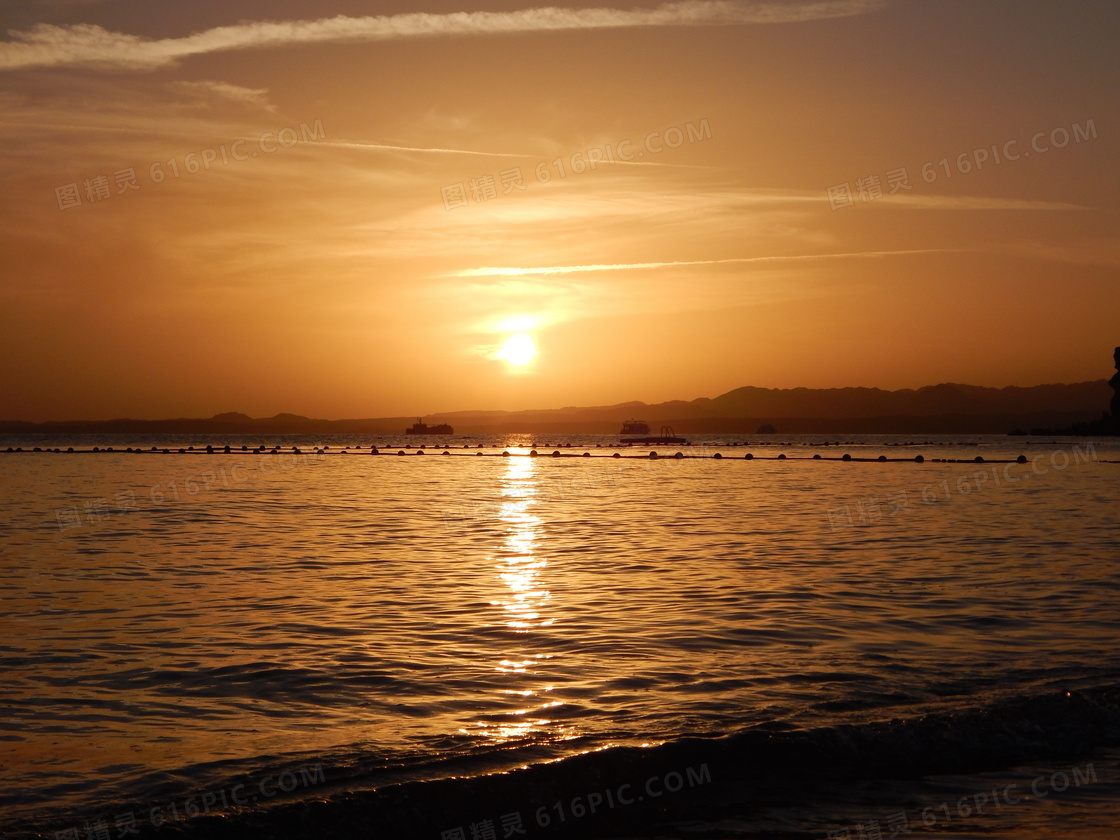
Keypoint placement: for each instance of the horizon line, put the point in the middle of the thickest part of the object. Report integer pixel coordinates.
(410, 415)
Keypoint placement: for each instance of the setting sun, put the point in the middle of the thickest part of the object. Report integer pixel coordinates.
(823, 436)
(518, 350)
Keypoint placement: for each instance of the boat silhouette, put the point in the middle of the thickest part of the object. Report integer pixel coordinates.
(421, 428)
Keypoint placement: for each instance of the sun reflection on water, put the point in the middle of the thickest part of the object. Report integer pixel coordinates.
(520, 566)
(523, 602)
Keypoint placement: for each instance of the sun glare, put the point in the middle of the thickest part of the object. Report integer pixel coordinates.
(518, 350)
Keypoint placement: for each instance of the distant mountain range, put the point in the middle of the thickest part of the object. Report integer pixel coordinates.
(935, 409)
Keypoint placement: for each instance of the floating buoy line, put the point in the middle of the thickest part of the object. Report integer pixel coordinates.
(490, 452)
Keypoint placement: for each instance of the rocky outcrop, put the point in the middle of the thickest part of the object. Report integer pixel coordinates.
(1114, 383)
(1109, 424)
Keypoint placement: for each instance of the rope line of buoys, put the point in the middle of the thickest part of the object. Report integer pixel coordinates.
(653, 455)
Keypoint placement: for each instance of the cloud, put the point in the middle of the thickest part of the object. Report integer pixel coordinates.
(389, 148)
(963, 202)
(492, 271)
(47, 45)
(385, 147)
(224, 90)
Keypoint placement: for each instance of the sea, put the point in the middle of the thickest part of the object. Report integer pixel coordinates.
(519, 637)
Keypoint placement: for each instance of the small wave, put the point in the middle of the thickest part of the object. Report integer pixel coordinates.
(689, 781)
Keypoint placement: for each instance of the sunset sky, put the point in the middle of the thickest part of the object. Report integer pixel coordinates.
(315, 208)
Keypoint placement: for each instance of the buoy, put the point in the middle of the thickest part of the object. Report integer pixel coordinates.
(718, 456)
(882, 457)
(748, 457)
(817, 457)
(846, 457)
(782, 457)
(919, 459)
(1022, 459)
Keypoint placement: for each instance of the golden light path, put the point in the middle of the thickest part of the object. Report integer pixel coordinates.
(520, 569)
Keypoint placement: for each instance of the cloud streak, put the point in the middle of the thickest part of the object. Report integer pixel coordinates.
(384, 147)
(47, 45)
(493, 271)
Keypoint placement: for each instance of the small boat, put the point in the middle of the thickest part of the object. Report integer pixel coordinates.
(421, 428)
(637, 431)
(635, 427)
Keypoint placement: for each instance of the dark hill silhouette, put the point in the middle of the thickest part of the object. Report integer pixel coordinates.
(944, 408)
(1109, 422)
(232, 417)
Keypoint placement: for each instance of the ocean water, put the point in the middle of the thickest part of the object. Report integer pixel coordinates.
(328, 643)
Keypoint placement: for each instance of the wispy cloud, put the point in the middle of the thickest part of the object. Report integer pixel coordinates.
(47, 45)
(493, 271)
(965, 202)
(385, 147)
(223, 90)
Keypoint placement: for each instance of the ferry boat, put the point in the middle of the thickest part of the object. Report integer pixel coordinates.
(635, 427)
(421, 428)
(637, 431)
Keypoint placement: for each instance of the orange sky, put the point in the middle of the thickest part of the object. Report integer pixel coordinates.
(341, 253)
